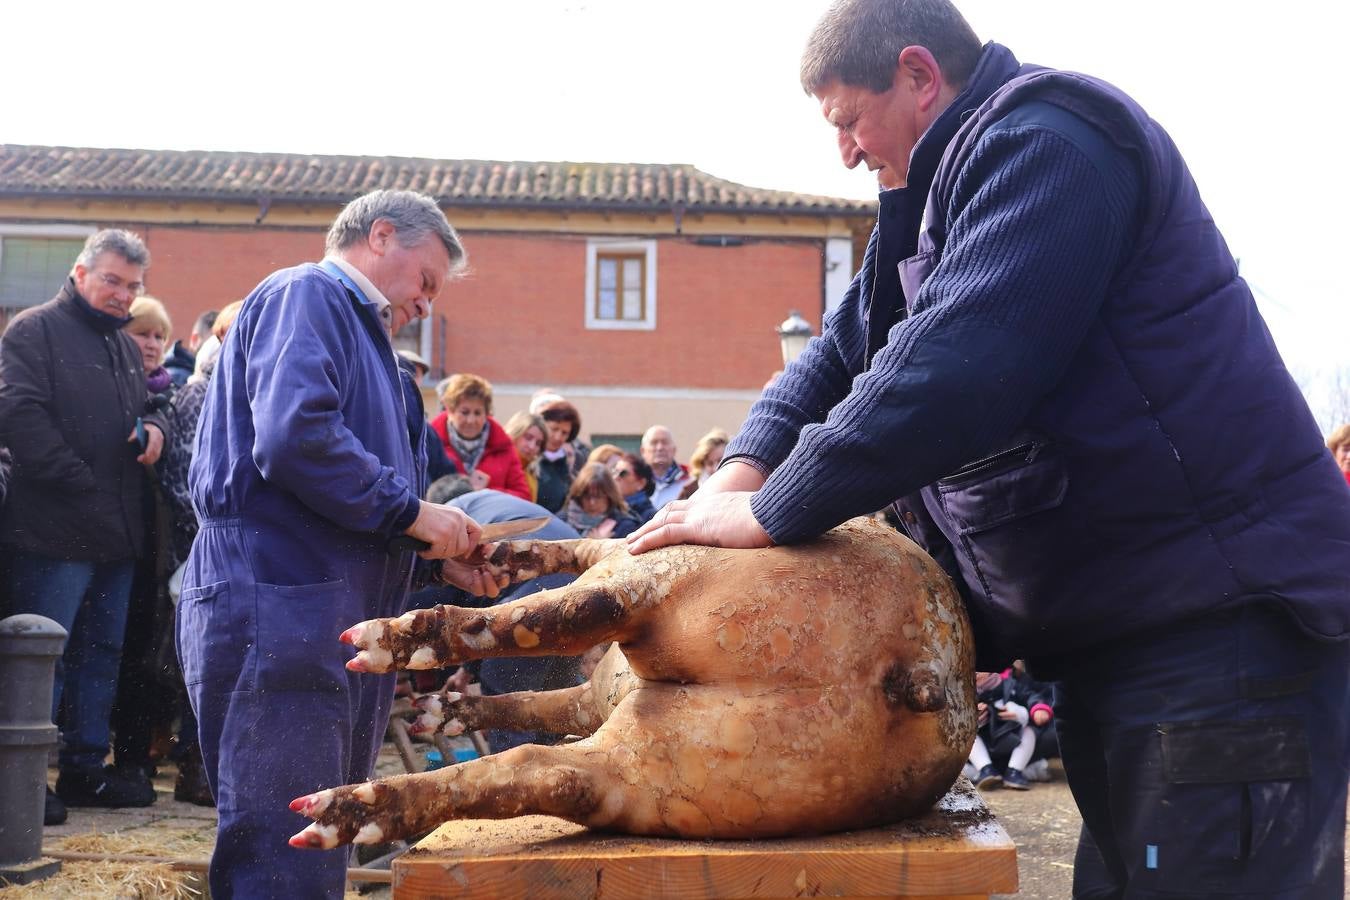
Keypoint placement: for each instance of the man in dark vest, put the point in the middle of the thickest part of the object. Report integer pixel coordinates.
(1050, 358)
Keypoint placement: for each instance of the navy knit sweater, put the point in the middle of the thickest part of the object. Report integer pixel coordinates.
(1042, 215)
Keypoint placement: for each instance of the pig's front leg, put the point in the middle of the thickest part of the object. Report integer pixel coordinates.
(561, 622)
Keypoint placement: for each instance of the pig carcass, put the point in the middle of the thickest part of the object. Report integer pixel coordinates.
(760, 693)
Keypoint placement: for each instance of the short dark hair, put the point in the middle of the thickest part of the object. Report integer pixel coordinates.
(202, 327)
(638, 466)
(447, 488)
(858, 43)
(562, 411)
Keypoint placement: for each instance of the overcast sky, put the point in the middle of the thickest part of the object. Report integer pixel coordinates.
(1252, 92)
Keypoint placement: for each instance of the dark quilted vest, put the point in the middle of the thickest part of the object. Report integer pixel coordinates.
(1173, 471)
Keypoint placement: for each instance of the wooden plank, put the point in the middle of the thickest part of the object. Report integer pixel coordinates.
(956, 850)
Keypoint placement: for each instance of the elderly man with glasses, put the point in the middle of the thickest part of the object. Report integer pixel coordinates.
(72, 393)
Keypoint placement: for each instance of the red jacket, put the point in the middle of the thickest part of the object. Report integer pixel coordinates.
(499, 462)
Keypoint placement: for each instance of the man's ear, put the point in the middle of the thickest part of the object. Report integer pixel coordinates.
(918, 72)
(380, 236)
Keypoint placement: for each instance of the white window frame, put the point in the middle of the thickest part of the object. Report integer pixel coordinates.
(8, 229)
(647, 248)
(38, 231)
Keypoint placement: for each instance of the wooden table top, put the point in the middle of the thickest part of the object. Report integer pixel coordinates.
(956, 850)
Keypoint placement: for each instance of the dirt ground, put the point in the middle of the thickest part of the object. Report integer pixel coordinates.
(1042, 822)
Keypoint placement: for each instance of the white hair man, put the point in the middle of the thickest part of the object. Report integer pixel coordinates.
(308, 470)
(669, 477)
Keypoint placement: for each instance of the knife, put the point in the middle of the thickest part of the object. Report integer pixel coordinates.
(496, 531)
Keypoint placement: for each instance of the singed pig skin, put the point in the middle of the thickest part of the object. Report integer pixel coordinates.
(790, 690)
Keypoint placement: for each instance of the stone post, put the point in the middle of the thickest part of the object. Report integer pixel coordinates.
(29, 648)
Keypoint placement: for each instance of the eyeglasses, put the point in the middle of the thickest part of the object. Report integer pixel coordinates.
(135, 288)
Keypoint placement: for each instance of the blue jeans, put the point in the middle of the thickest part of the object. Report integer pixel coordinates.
(89, 600)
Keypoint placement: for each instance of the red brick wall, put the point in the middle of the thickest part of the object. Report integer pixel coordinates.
(196, 269)
(519, 316)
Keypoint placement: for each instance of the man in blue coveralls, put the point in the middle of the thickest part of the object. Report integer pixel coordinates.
(1049, 357)
(308, 463)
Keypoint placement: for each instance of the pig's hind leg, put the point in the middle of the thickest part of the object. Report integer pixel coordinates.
(526, 780)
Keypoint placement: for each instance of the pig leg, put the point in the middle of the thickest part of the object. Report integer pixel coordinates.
(566, 711)
(576, 710)
(525, 780)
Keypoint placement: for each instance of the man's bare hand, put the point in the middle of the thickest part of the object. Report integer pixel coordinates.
(448, 530)
(479, 479)
(154, 444)
(714, 520)
(479, 579)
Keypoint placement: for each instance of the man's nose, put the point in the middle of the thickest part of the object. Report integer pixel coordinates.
(849, 150)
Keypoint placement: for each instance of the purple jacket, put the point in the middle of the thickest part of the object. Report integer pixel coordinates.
(1087, 419)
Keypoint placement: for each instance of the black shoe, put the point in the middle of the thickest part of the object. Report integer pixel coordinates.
(104, 787)
(54, 813)
(987, 778)
(1013, 778)
(191, 785)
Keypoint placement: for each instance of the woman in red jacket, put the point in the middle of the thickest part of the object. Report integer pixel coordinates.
(474, 440)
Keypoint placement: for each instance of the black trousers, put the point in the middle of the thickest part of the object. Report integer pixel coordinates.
(1209, 760)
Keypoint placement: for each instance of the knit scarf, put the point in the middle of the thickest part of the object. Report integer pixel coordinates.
(470, 451)
(581, 520)
(159, 380)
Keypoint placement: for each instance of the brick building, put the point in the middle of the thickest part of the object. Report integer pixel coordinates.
(644, 293)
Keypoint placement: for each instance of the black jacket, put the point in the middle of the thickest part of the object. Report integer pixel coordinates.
(71, 388)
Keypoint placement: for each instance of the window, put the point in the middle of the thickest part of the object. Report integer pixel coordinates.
(621, 285)
(34, 261)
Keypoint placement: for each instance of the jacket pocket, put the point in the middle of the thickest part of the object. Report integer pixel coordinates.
(298, 628)
(1001, 512)
(211, 644)
(1021, 480)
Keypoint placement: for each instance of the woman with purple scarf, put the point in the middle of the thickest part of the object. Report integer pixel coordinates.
(148, 681)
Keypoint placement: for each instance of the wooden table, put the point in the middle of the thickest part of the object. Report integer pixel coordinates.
(957, 850)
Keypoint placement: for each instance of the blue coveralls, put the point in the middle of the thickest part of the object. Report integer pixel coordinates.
(303, 470)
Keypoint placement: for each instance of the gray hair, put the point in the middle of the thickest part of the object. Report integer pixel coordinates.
(125, 244)
(414, 217)
(858, 42)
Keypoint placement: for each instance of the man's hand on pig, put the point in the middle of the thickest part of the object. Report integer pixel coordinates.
(715, 519)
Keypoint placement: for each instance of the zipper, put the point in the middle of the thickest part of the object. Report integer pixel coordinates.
(1003, 459)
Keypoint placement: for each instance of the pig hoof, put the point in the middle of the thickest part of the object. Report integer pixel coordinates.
(375, 659)
(315, 837)
(363, 634)
(312, 805)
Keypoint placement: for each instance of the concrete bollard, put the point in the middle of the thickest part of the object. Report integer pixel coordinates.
(29, 648)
